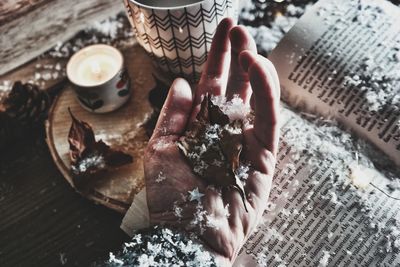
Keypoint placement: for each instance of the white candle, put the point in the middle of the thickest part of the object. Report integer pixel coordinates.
(94, 65)
(101, 81)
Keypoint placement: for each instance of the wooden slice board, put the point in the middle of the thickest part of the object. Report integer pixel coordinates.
(122, 129)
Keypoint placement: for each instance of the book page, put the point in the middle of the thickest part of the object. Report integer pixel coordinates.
(328, 205)
(342, 59)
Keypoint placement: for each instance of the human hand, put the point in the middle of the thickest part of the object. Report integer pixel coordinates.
(233, 67)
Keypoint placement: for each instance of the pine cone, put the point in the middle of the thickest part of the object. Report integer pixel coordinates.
(22, 111)
(27, 104)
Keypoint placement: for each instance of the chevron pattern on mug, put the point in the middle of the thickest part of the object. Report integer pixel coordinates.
(178, 39)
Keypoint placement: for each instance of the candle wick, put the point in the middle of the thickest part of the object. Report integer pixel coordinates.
(95, 68)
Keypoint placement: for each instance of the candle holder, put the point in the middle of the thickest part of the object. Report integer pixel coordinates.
(101, 82)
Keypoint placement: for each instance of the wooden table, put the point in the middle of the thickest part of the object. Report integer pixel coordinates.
(43, 221)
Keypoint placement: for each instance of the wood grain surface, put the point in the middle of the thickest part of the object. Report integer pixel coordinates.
(43, 218)
(123, 129)
(28, 28)
(43, 221)
(13, 9)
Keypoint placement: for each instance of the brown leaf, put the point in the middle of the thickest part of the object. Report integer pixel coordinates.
(203, 115)
(216, 115)
(80, 137)
(212, 146)
(88, 156)
(231, 142)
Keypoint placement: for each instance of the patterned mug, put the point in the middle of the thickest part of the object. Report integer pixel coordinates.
(177, 34)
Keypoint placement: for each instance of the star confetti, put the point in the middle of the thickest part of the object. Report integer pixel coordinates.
(195, 195)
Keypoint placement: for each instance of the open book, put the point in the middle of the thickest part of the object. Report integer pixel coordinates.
(336, 195)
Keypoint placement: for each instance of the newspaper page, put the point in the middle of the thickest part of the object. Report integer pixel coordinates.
(328, 206)
(342, 59)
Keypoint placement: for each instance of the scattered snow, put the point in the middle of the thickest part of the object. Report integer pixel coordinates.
(394, 185)
(5, 88)
(242, 171)
(63, 258)
(114, 31)
(333, 198)
(274, 234)
(268, 23)
(361, 176)
(391, 233)
(215, 222)
(177, 210)
(235, 108)
(278, 259)
(128, 139)
(210, 141)
(160, 144)
(381, 86)
(161, 247)
(262, 259)
(323, 262)
(113, 259)
(199, 219)
(47, 72)
(226, 211)
(92, 161)
(290, 168)
(161, 177)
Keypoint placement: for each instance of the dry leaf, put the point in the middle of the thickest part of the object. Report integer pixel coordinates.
(212, 146)
(88, 156)
(216, 116)
(80, 138)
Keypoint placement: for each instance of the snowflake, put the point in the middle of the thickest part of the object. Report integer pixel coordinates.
(195, 195)
(177, 210)
(323, 262)
(113, 259)
(161, 177)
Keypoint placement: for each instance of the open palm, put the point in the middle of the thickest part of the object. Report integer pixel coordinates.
(233, 67)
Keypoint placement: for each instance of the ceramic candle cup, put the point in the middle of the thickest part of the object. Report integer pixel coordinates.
(178, 33)
(100, 79)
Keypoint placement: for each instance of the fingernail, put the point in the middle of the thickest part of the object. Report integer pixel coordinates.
(237, 37)
(235, 34)
(226, 23)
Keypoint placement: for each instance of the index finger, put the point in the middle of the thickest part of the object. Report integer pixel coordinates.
(238, 82)
(216, 70)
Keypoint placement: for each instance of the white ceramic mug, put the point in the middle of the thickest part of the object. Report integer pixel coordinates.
(177, 34)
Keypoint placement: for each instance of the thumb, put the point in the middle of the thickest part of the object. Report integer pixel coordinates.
(177, 108)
